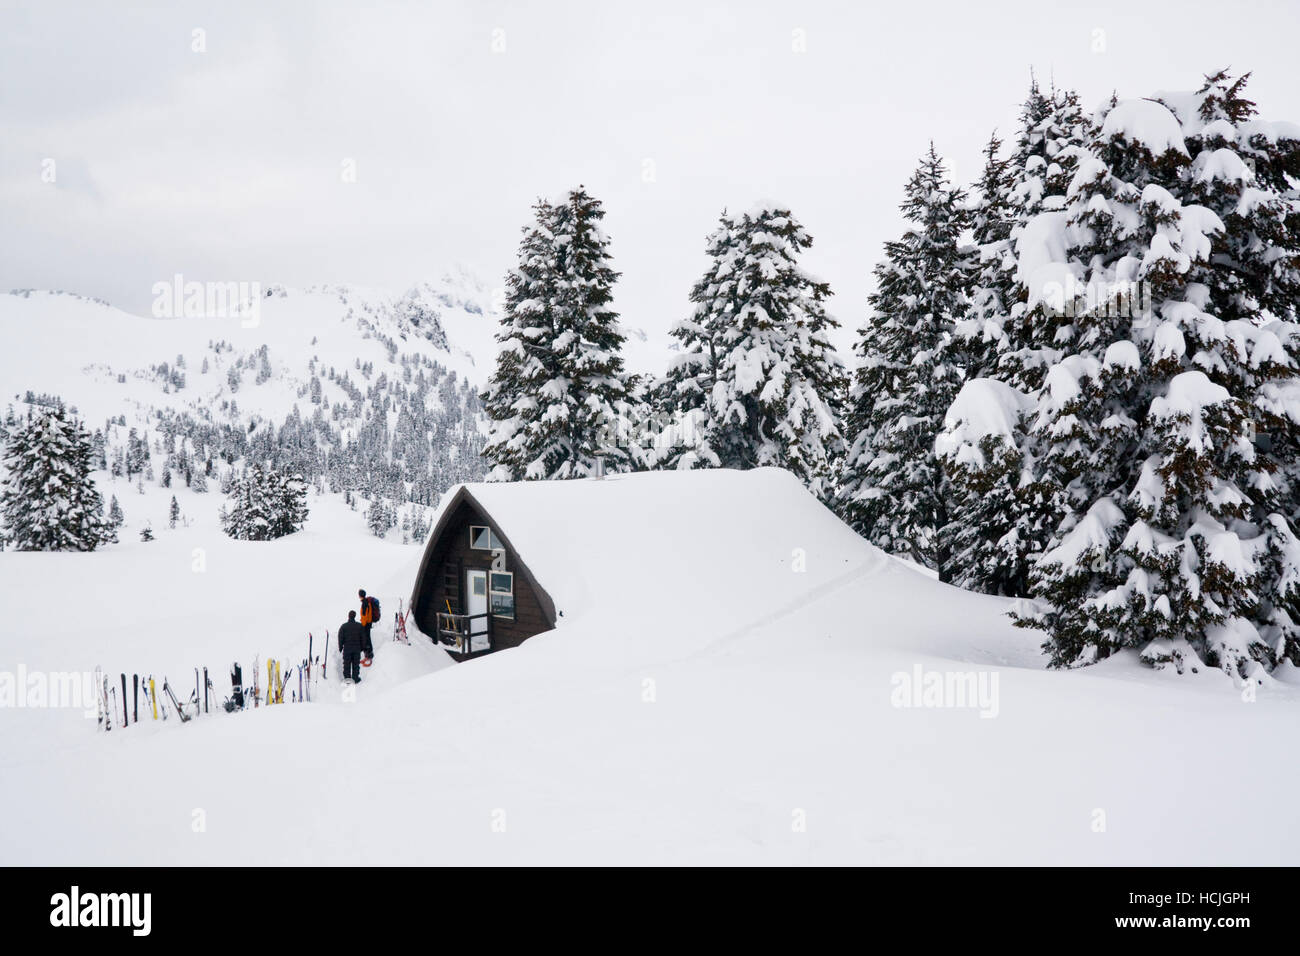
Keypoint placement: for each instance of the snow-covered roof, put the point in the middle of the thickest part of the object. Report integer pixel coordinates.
(650, 552)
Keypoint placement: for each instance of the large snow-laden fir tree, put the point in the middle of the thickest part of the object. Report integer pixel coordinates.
(756, 381)
(1004, 339)
(560, 397)
(49, 501)
(1239, 169)
(522, 366)
(1174, 540)
(893, 490)
(1001, 512)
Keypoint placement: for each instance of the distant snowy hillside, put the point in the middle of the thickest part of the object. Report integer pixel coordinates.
(359, 390)
(79, 348)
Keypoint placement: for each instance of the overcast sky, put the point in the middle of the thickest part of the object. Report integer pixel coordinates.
(225, 165)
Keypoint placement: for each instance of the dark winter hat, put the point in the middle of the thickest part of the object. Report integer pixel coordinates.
(361, 593)
(352, 615)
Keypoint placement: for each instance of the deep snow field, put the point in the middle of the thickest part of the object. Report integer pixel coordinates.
(628, 735)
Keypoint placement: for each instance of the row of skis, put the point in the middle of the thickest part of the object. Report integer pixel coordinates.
(279, 689)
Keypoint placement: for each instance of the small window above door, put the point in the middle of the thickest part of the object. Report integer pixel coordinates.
(481, 538)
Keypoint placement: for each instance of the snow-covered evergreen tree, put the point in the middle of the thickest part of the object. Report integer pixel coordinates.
(1054, 136)
(559, 389)
(1054, 132)
(1173, 541)
(48, 501)
(1244, 170)
(377, 518)
(993, 288)
(420, 525)
(756, 381)
(115, 519)
(999, 511)
(684, 396)
(173, 513)
(264, 504)
(893, 490)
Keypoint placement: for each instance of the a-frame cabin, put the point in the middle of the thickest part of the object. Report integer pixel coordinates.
(473, 594)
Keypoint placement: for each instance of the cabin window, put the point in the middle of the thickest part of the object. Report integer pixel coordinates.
(481, 538)
(501, 595)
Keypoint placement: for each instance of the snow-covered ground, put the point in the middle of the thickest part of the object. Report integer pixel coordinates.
(648, 734)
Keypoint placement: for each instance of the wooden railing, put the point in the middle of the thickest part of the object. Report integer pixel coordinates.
(457, 632)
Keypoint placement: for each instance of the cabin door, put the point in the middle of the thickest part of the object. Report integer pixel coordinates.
(477, 603)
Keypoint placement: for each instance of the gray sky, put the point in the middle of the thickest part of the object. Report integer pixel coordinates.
(225, 165)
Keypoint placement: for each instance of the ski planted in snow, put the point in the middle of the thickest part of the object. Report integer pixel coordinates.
(100, 709)
(167, 689)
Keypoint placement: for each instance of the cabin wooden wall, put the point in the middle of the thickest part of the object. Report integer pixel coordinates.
(444, 579)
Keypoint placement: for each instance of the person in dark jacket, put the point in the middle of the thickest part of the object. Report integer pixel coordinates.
(368, 619)
(352, 638)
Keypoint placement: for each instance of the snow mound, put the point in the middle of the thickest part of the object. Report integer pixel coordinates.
(1043, 241)
(1146, 122)
(1188, 394)
(983, 407)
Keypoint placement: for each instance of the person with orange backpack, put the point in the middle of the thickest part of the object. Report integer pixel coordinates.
(369, 617)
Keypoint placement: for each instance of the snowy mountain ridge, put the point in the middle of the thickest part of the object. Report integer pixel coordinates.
(54, 335)
(356, 389)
